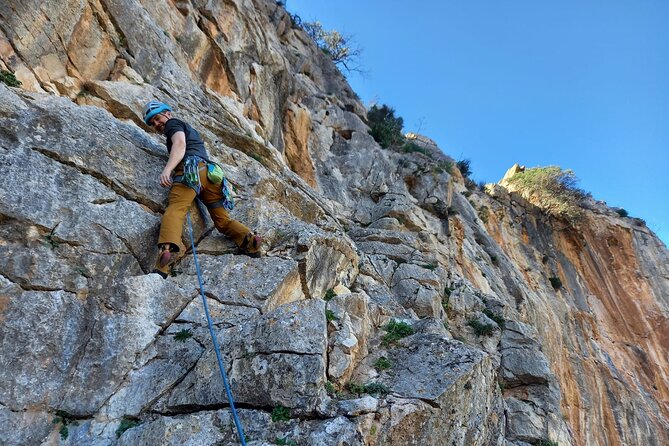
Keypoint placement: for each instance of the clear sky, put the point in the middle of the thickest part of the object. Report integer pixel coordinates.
(582, 84)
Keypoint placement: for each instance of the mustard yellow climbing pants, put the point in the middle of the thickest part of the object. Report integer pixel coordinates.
(180, 200)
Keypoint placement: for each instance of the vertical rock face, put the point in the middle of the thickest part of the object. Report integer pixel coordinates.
(393, 307)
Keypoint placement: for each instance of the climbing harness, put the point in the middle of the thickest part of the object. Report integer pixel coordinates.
(238, 424)
(191, 178)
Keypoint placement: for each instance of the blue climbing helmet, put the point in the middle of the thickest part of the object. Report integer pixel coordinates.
(153, 108)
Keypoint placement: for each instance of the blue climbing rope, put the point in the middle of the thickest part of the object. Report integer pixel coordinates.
(240, 430)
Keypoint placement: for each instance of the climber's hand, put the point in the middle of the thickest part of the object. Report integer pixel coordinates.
(165, 178)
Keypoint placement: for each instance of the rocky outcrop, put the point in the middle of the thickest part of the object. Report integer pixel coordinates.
(394, 305)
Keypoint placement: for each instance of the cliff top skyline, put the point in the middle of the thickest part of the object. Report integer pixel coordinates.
(575, 85)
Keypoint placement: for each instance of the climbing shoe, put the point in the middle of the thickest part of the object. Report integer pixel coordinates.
(251, 245)
(159, 272)
(168, 255)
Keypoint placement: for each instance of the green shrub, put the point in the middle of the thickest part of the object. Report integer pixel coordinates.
(443, 166)
(551, 189)
(370, 388)
(330, 388)
(376, 389)
(465, 168)
(329, 294)
(383, 363)
(411, 147)
(547, 442)
(556, 283)
(355, 388)
(622, 212)
(8, 78)
(126, 424)
(280, 413)
(182, 335)
(431, 266)
(284, 441)
(396, 330)
(480, 328)
(499, 320)
(385, 128)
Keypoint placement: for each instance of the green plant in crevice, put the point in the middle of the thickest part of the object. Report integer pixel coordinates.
(65, 420)
(183, 335)
(622, 212)
(50, 240)
(280, 413)
(396, 330)
(499, 320)
(480, 328)
(376, 389)
(330, 388)
(126, 423)
(284, 441)
(382, 363)
(547, 442)
(330, 316)
(355, 388)
(329, 294)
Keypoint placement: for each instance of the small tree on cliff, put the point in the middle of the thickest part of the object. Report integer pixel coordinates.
(552, 189)
(338, 46)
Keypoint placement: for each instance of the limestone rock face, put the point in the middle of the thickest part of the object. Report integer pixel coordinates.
(393, 306)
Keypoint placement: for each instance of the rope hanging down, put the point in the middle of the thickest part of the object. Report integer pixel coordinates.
(240, 430)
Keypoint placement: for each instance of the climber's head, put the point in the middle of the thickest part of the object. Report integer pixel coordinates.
(156, 114)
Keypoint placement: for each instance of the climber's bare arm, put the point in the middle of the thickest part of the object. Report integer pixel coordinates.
(176, 155)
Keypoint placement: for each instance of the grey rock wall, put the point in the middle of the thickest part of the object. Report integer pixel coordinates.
(93, 350)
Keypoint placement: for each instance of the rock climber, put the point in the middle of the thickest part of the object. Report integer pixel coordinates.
(191, 174)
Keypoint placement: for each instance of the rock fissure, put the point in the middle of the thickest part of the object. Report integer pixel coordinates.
(152, 206)
(26, 286)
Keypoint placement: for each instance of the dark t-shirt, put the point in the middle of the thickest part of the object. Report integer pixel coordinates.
(194, 143)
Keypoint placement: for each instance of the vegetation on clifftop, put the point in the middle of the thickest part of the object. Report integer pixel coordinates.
(552, 189)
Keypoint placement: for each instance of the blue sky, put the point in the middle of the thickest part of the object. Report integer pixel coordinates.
(583, 84)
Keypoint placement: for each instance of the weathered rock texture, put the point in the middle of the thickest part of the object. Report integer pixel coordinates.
(117, 356)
